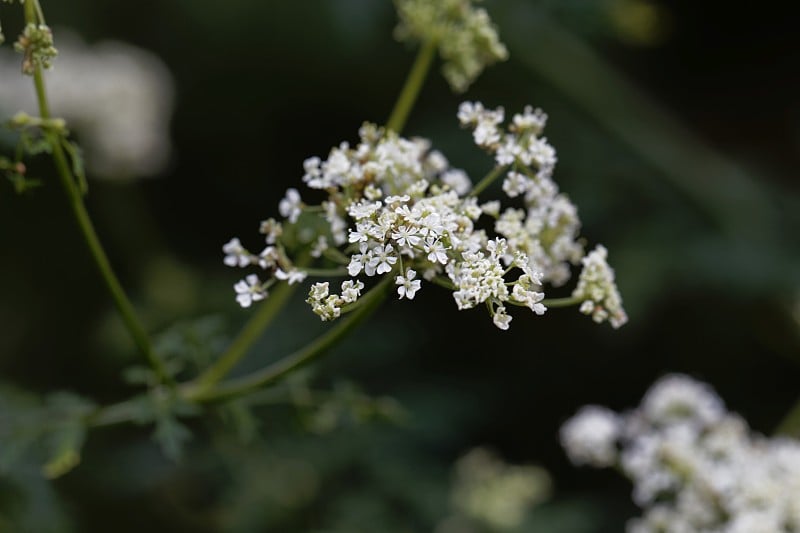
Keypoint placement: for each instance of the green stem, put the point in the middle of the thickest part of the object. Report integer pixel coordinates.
(410, 91)
(790, 424)
(487, 180)
(325, 272)
(117, 413)
(249, 334)
(68, 182)
(562, 302)
(275, 371)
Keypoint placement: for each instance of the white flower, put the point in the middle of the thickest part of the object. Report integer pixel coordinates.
(268, 258)
(293, 276)
(236, 255)
(395, 204)
(678, 398)
(272, 229)
(408, 286)
(362, 210)
(695, 467)
(590, 436)
(351, 290)
(597, 288)
(249, 290)
(457, 180)
(382, 259)
(290, 206)
(469, 112)
(516, 184)
(491, 208)
(361, 233)
(319, 291)
(359, 262)
(501, 319)
(530, 120)
(407, 236)
(530, 298)
(436, 252)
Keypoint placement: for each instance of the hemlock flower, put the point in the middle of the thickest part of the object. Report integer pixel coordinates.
(235, 254)
(394, 206)
(596, 287)
(501, 319)
(290, 206)
(694, 465)
(249, 290)
(408, 286)
(465, 36)
(291, 277)
(590, 437)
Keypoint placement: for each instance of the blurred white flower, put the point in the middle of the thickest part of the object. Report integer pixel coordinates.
(590, 437)
(491, 493)
(116, 97)
(695, 467)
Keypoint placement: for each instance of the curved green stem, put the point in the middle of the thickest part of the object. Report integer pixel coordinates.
(325, 272)
(487, 180)
(249, 334)
(410, 91)
(562, 302)
(275, 371)
(68, 182)
(790, 424)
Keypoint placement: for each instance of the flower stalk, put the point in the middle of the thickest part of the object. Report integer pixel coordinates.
(68, 182)
(412, 87)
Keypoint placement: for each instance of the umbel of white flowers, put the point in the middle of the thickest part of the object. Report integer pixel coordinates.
(695, 467)
(395, 207)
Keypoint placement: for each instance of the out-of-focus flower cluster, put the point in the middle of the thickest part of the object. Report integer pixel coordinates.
(36, 45)
(598, 290)
(116, 97)
(695, 466)
(396, 207)
(488, 492)
(465, 36)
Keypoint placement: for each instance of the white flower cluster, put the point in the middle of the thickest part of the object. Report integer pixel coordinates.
(598, 291)
(695, 467)
(117, 97)
(547, 229)
(465, 36)
(491, 494)
(395, 207)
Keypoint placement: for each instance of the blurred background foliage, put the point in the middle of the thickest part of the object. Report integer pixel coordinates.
(677, 125)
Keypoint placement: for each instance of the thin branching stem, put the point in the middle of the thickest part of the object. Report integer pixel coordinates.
(562, 302)
(487, 180)
(250, 333)
(274, 372)
(68, 182)
(413, 85)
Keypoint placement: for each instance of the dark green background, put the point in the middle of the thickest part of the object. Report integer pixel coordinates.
(682, 157)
